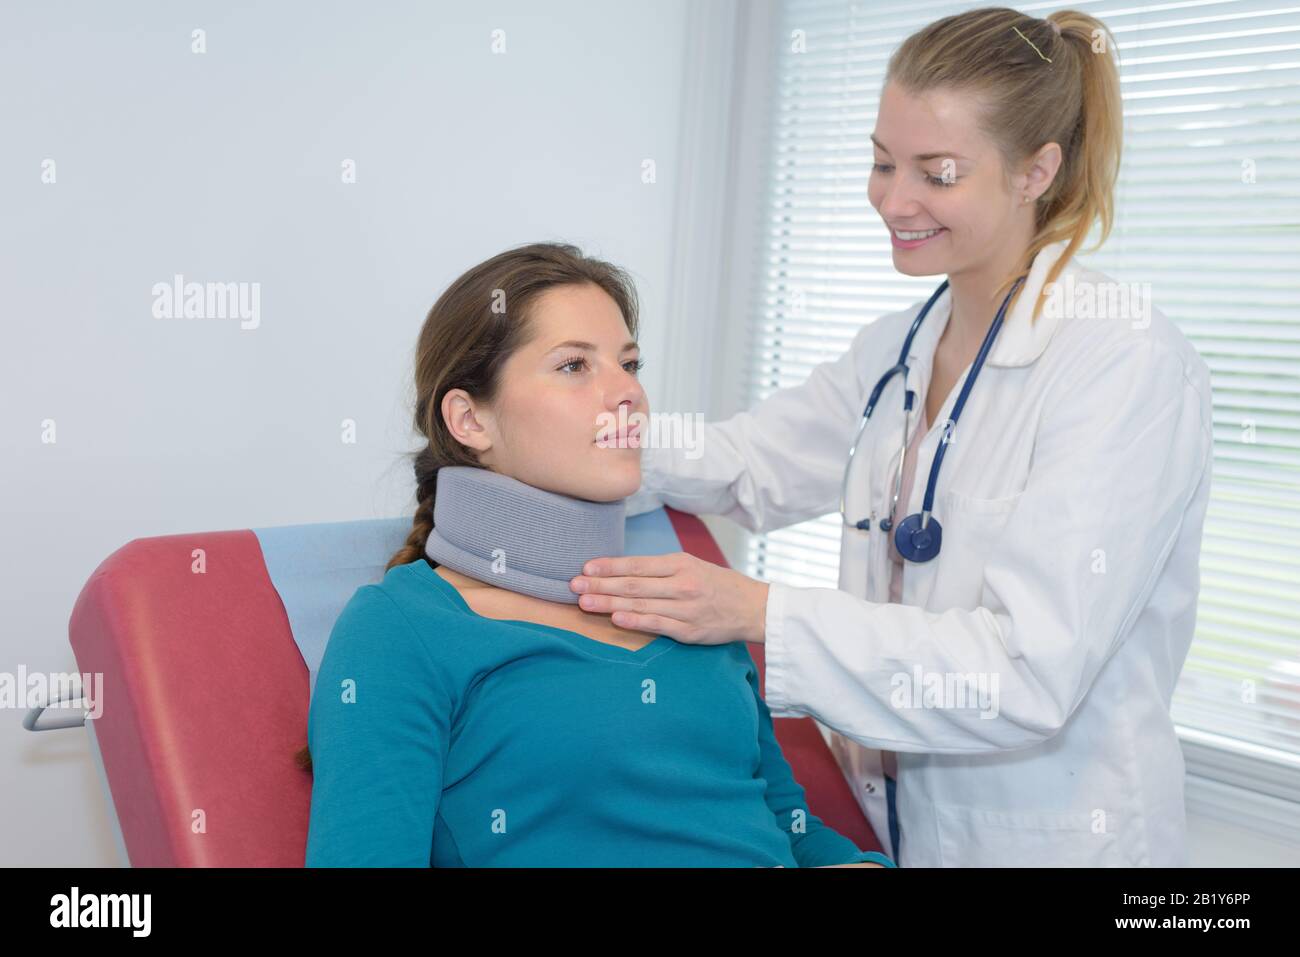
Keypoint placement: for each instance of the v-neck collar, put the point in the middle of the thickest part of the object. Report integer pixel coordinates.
(591, 646)
(1019, 342)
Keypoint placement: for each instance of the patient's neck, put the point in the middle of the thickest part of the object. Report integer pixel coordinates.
(463, 582)
(490, 601)
(494, 597)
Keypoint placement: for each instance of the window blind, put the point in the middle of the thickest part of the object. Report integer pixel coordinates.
(1208, 213)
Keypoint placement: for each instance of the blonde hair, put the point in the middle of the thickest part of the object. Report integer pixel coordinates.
(1038, 86)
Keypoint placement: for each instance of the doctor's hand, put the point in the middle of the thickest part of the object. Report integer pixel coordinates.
(678, 595)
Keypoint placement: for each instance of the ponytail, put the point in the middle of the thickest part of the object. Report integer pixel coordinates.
(426, 487)
(1083, 191)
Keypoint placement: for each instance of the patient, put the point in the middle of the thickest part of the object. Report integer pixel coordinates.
(469, 720)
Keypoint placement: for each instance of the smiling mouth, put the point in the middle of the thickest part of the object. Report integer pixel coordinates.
(910, 236)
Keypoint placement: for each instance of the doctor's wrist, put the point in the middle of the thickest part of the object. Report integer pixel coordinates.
(758, 620)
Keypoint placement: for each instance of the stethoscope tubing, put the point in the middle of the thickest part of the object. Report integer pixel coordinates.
(922, 521)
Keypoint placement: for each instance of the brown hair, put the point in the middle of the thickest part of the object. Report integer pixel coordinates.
(475, 326)
(1038, 86)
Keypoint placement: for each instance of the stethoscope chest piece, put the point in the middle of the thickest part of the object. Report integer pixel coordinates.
(918, 536)
(918, 540)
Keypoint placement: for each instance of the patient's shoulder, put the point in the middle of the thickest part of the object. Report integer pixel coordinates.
(408, 626)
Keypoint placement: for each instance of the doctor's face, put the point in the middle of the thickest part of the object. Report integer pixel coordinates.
(938, 183)
(555, 421)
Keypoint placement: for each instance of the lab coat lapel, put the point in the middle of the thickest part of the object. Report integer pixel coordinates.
(1020, 342)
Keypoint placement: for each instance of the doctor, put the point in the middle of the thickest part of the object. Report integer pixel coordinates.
(1018, 587)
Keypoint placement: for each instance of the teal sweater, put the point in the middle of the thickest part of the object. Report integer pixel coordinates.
(443, 738)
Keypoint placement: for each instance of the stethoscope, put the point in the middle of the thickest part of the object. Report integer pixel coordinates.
(919, 536)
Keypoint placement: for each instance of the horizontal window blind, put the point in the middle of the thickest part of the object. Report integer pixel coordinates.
(1208, 214)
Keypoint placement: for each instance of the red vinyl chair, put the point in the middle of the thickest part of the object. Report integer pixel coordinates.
(205, 696)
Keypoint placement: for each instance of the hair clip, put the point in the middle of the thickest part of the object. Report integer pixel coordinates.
(1031, 43)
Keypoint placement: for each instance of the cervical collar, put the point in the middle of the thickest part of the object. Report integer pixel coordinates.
(504, 532)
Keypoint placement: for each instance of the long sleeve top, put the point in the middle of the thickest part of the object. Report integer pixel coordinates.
(444, 738)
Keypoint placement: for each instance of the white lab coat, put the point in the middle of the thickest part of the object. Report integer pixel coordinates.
(1072, 499)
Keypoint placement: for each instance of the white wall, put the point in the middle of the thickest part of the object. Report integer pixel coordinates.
(226, 166)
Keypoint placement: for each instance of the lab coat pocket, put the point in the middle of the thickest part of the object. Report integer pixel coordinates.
(971, 527)
(1023, 838)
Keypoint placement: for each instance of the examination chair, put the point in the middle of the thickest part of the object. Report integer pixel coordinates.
(209, 645)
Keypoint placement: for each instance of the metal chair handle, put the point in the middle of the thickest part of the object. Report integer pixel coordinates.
(32, 720)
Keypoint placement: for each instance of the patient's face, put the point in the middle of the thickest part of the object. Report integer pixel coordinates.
(556, 401)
